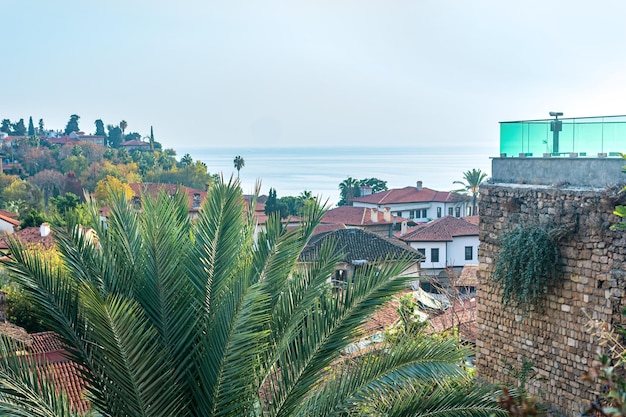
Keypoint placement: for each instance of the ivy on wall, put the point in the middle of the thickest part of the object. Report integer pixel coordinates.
(529, 262)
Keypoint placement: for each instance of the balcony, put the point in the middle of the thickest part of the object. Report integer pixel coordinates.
(586, 136)
(581, 152)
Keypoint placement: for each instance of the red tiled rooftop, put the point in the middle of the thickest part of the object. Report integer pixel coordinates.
(52, 363)
(30, 236)
(441, 230)
(410, 195)
(357, 216)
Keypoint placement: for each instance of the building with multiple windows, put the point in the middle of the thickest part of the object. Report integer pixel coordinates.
(447, 243)
(418, 203)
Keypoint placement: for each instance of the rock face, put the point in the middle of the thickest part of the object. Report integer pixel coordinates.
(554, 337)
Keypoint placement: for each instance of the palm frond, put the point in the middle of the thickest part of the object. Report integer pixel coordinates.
(424, 361)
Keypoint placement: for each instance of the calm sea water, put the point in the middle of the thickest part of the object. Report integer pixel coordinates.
(320, 170)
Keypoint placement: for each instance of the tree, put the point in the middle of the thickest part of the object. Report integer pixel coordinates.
(72, 124)
(151, 138)
(6, 126)
(115, 136)
(376, 184)
(31, 127)
(123, 126)
(471, 184)
(349, 189)
(186, 160)
(168, 317)
(100, 128)
(111, 186)
(239, 163)
(19, 128)
(41, 127)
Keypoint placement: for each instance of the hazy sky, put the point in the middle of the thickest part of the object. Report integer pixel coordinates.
(302, 73)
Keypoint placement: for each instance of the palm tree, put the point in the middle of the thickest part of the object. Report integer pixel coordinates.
(471, 186)
(239, 163)
(348, 189)
(123, 126)
(186, 160)
(169, 317)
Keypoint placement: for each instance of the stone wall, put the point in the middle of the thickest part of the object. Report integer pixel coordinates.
(553, 337)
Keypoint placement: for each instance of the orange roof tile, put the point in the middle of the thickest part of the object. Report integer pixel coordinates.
(357, 216)
(411, 195)
(441, 230)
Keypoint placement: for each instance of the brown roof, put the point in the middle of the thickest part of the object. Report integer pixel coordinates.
(10, 220)
(8, 214)
(441, 230)
(462, 315)
(154, 188)
(411, 195)
(357, 216)
(134, 142)
(471, 219)
(468, 277)
(52, 362)
(357, 244)
(30, 236)
(323, 228)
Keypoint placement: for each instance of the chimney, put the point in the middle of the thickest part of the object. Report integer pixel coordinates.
(374, 215)
(44, 229)
(403, 228)
(387, 214)
(419, 186)
(366, 190)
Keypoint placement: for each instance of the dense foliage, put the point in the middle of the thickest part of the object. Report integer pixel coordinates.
(169, 317)
(529, 262)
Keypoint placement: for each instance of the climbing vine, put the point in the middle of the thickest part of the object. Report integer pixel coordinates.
(527, 265)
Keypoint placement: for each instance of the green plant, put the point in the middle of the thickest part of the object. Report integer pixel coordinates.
(529, 262)
(515, 398)
(169, 317)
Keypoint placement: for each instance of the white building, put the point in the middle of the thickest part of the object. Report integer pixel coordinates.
(446, 243)
(417, 203)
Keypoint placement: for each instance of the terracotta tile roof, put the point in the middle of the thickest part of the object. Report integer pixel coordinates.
(15, 332)
(471, 219)
(411, 195)
(10, 220)
(357, 244)
(441, 230)
(324, 228)
(50, 355)
(461, 315)
(30, 236)
(468, 277)
(357, 216)
(154, 188)
(134, 142)
(8, 214)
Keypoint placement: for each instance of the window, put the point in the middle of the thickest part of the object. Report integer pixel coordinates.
(399, 214)
(423, 252)
(424, 214)
(469, 210)
(458, 212)
(196, 201)
(434, 255)
(469, 253)
(438, 212)
(450, 211)
(412, 214)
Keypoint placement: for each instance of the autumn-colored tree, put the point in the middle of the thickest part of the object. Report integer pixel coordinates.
(111, 186)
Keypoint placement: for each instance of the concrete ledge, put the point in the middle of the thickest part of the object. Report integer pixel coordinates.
(590, 172)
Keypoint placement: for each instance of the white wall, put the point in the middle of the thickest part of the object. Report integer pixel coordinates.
(430, 206)
(456, 251)
(428, 263)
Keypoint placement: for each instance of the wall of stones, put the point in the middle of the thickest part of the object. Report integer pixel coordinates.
(553, 337)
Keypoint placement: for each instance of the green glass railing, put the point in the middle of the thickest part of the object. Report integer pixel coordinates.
(586, 136)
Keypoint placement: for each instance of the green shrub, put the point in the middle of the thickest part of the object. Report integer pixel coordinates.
(527, 265)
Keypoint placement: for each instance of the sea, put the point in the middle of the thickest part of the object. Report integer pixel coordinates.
(320, 169)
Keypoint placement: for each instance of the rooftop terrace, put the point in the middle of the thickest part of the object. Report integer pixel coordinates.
(603, 136)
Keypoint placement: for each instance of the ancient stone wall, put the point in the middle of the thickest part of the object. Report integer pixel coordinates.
(553, 337)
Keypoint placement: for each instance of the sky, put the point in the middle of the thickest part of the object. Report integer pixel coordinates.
(311, 73)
